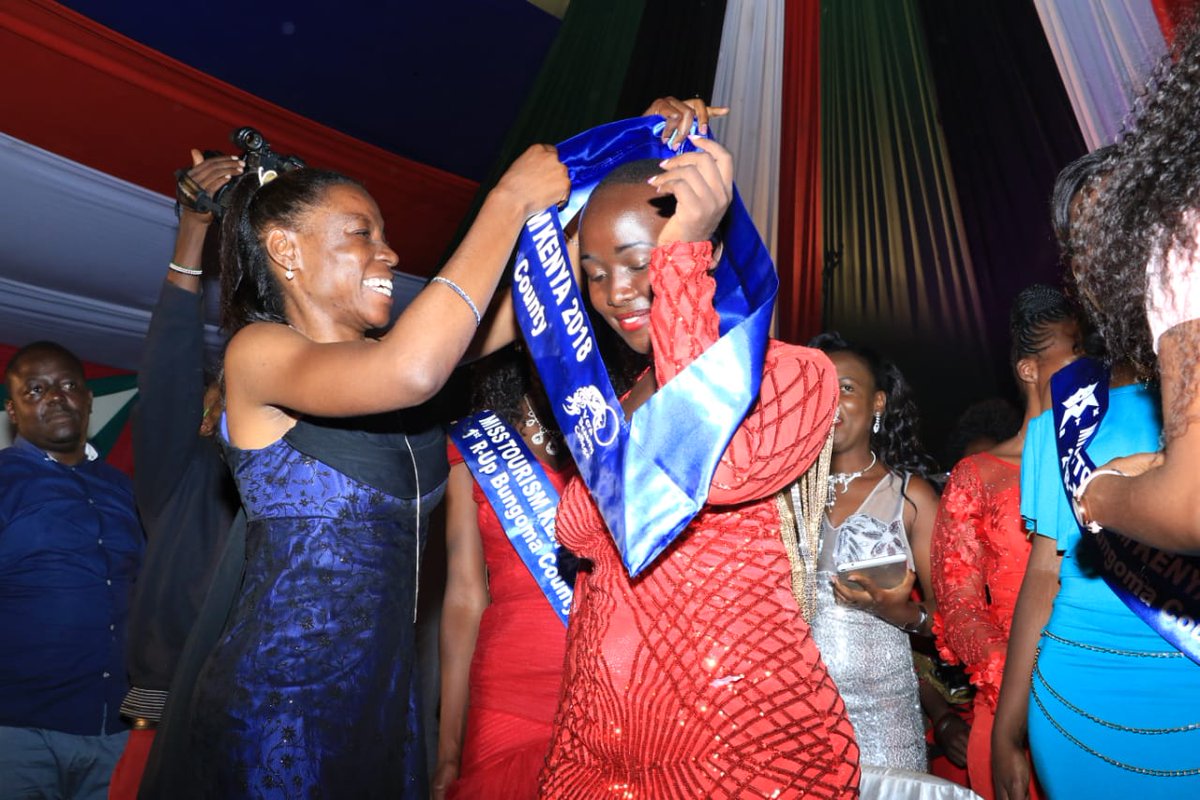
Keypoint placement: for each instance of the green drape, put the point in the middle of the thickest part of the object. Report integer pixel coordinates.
(579, 86)
(904, 281)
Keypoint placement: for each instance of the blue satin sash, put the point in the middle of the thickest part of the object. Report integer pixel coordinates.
(524, 499)
(1161, 589)
(649, 475)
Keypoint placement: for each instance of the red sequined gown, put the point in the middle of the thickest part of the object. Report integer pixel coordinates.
(700, 678)
(978, 554)
(516, 669)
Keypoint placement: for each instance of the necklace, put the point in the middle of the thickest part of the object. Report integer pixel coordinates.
(844, 479)
(540, 436)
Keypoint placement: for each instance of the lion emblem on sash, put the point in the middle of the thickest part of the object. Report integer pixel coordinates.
(598, 422)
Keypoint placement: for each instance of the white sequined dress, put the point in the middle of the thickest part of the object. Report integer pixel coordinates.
(869, 659)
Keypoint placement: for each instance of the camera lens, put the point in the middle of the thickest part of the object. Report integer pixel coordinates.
(247, 139)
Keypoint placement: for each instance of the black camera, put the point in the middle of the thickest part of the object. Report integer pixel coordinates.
(262, 164)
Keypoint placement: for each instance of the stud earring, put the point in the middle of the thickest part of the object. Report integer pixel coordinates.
(878, 422)
(289, 274)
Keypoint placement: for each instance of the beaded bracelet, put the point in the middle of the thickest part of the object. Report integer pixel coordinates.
(458, 290)
(195, 273)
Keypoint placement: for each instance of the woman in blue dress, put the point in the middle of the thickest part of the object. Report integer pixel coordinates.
(1104, 701)
(308, 692)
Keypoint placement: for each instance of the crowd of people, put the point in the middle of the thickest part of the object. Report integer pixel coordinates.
(833, 616)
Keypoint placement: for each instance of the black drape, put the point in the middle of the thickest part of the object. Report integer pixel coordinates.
(675, 54)
(1009, 129)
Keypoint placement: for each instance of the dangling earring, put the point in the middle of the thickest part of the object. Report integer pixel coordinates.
(878, 422)
(289, 275)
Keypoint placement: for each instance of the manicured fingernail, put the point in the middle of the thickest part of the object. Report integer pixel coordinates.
(663, 164)
(704, 129)
(671, 141)
(652, 179)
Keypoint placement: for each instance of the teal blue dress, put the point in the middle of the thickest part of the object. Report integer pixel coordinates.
(309, 692)
(1112, 703)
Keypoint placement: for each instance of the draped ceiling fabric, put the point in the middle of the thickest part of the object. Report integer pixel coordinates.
(1105, 51)
(1009, 129)
(800, 251)
(748, 81)
(906, 278)
(674, 54)
(1171, 14)
(94, 96)
(84, 255)
(95, 124)
(578, 87)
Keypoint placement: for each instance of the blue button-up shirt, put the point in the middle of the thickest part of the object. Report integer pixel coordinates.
(70, 548)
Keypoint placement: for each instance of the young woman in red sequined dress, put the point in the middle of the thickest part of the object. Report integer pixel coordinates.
(699, 678)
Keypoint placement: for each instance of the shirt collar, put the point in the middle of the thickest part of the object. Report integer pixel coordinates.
(24, 444)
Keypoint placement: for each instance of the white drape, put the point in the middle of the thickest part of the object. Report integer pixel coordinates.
(749, 80)
(1105, 50)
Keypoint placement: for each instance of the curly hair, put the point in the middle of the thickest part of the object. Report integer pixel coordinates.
(250, 291)
(1141, 209)
(898, 442)
(501, 382)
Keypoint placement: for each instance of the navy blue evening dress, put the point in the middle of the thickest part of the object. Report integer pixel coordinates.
(310, 690)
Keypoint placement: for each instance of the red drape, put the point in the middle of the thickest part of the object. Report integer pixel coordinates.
(1168, 12)
(800, 252)
(82, 91)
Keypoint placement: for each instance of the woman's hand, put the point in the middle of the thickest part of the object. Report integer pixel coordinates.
(444, 774)
(890, 605)
(951, 734)
(207, 175)
(536, 180)
(1010, 768)
(679, 115)
(702, 183)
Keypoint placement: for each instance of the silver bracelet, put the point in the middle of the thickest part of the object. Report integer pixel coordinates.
(915, 628)
(195, 273)
(1081, 516)
(458, 290)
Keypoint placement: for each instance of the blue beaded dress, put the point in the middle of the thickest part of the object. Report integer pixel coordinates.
(309, 692)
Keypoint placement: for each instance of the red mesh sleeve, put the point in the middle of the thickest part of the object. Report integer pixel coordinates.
(785, 429)
(966, 629)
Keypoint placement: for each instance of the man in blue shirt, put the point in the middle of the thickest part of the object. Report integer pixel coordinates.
(70, 548)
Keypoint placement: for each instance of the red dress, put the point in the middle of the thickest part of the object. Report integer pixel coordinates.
(978, 554)
(700, 678)
(515, 672)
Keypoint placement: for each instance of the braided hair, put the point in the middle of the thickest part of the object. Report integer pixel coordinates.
(1034, 310)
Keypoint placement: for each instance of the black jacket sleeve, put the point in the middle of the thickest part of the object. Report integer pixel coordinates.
(170, 394)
